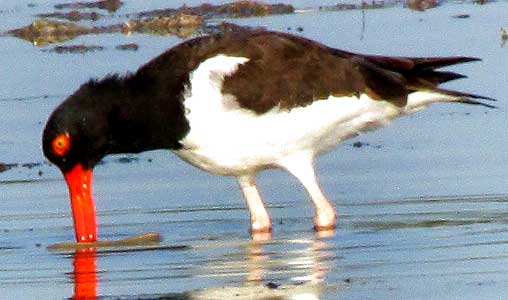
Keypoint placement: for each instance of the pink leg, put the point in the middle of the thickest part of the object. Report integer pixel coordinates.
(302, 168)
(260, 220)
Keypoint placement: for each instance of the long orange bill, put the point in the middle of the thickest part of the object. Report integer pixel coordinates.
(79, 181)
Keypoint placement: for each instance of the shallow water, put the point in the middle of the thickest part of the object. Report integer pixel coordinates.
(422, 206)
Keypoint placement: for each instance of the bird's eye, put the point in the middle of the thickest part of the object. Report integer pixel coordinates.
(61, 144)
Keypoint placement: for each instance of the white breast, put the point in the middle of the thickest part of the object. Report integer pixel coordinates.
(226, 139)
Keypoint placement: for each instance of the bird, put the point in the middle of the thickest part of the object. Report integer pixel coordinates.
(237, 103)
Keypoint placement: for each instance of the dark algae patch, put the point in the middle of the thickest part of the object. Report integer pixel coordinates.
(351, 6)
(109, 5)
(181, 25)
(4, 167)
(75, 49)
(240, 9)
(74, 16)
(128, 47)
(182, 22)
(45, 31)
(127, 159)
(244, 9)
(31, 165)
(421, 5)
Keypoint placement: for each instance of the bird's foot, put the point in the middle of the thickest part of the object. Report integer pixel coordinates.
(261, 225)
(325, 220)
(261, 229)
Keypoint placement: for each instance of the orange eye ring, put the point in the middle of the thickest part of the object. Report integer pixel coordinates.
(61, 144)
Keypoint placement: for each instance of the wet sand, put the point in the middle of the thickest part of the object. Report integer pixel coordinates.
(422, 203)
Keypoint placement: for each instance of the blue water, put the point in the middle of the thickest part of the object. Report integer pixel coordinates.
(422, 207)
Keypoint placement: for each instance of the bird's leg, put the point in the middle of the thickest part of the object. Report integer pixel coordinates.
(259, 218)
(325, 217)
(302, 167)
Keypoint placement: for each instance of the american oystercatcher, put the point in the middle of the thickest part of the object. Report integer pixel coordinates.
(235, 104)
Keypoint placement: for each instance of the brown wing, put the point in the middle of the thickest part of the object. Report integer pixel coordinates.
(286, 71)
(289, 71)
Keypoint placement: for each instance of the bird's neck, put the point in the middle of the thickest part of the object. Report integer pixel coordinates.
(148, 116)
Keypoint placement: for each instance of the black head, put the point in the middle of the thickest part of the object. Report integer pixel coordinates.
(78, 131)
(117, 114)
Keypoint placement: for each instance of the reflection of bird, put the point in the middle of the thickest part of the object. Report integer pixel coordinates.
(298, 267)
(291, 269)
(238, 103)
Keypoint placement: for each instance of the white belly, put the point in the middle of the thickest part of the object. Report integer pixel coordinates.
(229, 140)
(237, 141)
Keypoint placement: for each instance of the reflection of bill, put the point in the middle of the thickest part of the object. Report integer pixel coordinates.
(85, 260)
(85, 274)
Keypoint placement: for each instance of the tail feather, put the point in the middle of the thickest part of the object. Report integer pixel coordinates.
(474, 102)
(402, 64)
(420, 74)
(462, 94)
(431, 63)
(402, 76)
(438, 77)
(422, 98)
(466, 98)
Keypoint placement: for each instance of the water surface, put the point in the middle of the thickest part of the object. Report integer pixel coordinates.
(422, 205)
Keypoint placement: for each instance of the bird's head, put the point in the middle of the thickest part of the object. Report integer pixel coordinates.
(117, 114)
(75, 139)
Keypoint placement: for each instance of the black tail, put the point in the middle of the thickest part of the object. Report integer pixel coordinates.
(409, 74)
